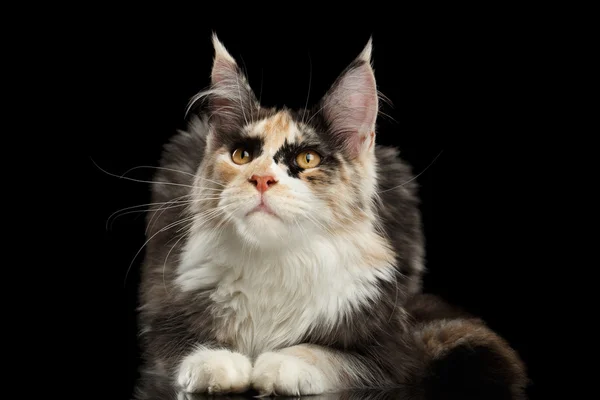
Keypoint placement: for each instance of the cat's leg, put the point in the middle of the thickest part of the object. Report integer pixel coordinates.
(306, 369)
(212, 370)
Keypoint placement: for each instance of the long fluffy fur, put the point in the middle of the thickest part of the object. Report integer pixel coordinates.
(334, 305)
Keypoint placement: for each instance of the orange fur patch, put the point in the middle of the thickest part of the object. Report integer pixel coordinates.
(278, 122)
(225, 172)
(276, 129)
(378, 255)
(303, 352)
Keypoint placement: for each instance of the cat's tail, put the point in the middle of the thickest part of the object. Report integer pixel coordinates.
(463, 358)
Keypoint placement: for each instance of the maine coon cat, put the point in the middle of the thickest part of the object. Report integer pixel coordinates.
(285, 255)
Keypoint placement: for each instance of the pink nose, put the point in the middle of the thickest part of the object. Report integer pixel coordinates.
(262, 183)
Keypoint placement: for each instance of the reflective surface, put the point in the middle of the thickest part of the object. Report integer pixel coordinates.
(396, 394)
(158, 389)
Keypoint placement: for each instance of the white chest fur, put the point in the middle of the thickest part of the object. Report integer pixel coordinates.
(263, 300)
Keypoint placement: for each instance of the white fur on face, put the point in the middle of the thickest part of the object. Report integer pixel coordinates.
(297, 210)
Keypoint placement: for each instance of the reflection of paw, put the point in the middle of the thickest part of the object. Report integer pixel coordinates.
(280, 374)
(206, 396)
(214, 371)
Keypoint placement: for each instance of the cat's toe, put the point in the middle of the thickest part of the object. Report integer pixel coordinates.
(214, 371)
(280, 374)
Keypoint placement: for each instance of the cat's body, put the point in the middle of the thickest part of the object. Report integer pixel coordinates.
(296, 267)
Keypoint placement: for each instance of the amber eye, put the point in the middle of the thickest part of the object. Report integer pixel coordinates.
(308, 159)
(241, 156)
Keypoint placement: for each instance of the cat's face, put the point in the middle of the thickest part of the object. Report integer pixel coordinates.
(277, 175)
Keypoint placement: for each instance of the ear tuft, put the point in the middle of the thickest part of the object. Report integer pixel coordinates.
(220, 50)
(365, 55)
(224, 65)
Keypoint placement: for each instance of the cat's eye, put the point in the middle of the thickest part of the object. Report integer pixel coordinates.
(241, 156)
(308, 159)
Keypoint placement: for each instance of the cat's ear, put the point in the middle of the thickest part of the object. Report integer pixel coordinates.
(231, 100)
(350, 107)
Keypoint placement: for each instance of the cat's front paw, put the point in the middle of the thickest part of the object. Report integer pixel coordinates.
(214, 371)
(281, 374)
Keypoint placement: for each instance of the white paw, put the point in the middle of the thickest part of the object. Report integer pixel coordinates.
(214, 371)
(281, 374)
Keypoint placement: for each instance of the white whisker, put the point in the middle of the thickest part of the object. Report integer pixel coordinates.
(261, 86)
(183, 235)
(309, 85)
(240, 95)
(317, 223)
(148, 240)
(133, 207)
(187, 203)
(414, 177)
(248, 80)
(212, 214)
(151, 222)
(160, 168)
(155, 181)
(395, 301)
(211, 181)
(315, 114)
(302, 231)
(220, 228)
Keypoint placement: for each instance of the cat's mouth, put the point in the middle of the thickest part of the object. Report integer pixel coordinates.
(262, 207)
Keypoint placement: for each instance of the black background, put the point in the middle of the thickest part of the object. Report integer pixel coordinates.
(461, 95)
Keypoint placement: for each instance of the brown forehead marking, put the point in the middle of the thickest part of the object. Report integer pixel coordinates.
(277, 129)
(279, 122)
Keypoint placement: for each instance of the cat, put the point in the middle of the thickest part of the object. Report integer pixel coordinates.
(285, 256)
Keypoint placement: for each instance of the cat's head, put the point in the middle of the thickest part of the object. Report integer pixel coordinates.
(276, 175)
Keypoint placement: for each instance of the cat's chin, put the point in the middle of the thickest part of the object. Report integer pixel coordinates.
(263, 229)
